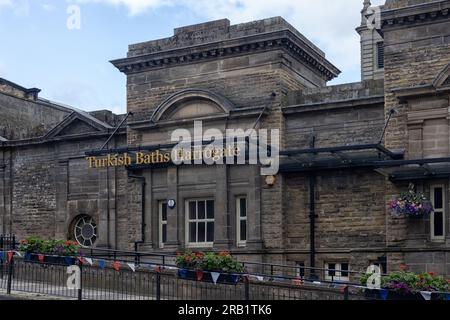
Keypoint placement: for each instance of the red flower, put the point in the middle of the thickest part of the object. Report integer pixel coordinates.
(199, 255)
(224, 254)
(432, 274)
(403, 267)
(24, 241)
(187, 258)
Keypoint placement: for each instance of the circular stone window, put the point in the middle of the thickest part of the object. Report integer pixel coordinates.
(85, 231)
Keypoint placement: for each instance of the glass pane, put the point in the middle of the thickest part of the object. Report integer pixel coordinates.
(243, 207)
(344, 270)
(164, 233)
(210, 209)
(333, 267)
(192, 210)
(164, 211)
(438, 224)
(438, 198)
(301, 269)
(201, 232)
(201, 210)
(192, 232)
(210, 232)
(243, 231)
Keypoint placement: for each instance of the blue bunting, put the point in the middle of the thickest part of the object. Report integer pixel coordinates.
(384, 294)
(101, 264)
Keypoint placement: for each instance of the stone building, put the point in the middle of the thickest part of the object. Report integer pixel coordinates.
(346, 150)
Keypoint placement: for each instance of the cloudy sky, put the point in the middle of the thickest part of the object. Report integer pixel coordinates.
(70, 65)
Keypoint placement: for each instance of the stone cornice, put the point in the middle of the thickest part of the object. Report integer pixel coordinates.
(333, 105)
(418, 14)
(285, 40)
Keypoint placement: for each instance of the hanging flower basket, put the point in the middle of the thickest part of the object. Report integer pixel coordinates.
(411, 204)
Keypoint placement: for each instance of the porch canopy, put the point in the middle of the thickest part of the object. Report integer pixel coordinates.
(370, 156)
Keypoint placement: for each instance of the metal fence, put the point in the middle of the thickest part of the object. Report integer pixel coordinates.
(106, 283)
(155, 277)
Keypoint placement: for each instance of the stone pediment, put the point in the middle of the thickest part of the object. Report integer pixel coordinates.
(76, 124)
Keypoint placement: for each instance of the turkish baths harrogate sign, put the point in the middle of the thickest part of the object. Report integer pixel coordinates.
(163, 157)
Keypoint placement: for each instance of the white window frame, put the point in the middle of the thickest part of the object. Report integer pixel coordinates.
(188, 220)
(241, 243)
(338, 268)
(432, 190)
(161, 223)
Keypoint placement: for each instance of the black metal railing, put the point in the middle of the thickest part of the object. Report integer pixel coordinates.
(154, 276)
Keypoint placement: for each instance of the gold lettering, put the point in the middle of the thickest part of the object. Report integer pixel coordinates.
(140, 158)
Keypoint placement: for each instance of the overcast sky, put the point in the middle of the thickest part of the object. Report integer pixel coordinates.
(37, 49)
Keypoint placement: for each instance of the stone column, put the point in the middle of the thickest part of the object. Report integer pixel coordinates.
(254, 240)
(150, 228)
(103, 210)
(221, 214)
(61, 199)
(175, 215)
(111, 198)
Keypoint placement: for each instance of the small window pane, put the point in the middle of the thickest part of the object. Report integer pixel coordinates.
(210, 209)
(164, 212)
(201, 210)
(192, 210)
(301, 269)
(243, 231)
(438, 224)
(243, 207)
(164, 233)
(210, 232)
(344, 270)
(333, 267)
(438, 201)
(201, 232)
(193, 232)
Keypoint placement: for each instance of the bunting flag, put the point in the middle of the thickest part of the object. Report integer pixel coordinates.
(2, 255)
(82, 260)
(384, 294)
(89, 260)
(426, 295)
(69, 260)
(158, 269)
(132, 266)
(41, 257)
(10, 255)
(297, 282)
(102, 264)
(215, 276)
(18, 253)
(447, 296)
(200, 275)
(116, 265)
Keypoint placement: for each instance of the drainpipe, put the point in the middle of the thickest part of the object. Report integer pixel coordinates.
(312, 225)
(143, 222)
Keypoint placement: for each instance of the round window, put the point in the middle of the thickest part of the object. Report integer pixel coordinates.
(85, 231)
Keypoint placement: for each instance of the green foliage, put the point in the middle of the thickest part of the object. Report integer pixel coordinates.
(406, 282)
(210, 261)
(35, 244)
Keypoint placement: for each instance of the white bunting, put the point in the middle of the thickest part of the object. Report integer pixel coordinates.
(18, 253)
(215, 276)
(89, 260)
(426, 295)
(259, 278)
(132, 266)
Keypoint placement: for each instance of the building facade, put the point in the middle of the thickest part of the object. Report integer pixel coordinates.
(345, 150)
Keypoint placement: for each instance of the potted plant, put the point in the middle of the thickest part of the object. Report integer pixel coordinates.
(404, 285)
(411, 204)
(201, 267)
(50, 251)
